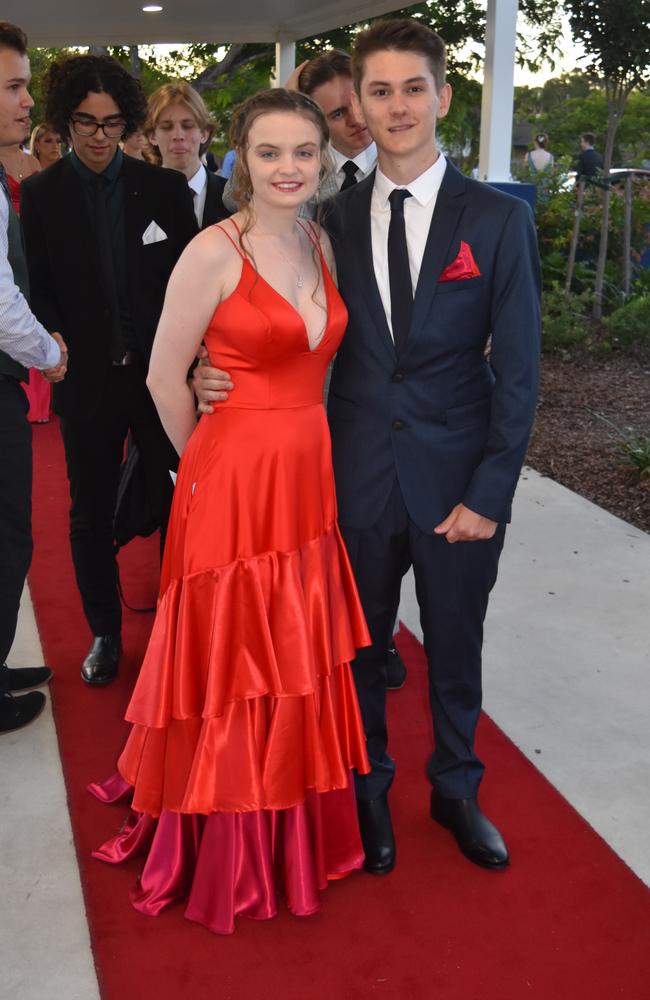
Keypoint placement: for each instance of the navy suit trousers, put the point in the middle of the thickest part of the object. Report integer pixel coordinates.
(453, 583)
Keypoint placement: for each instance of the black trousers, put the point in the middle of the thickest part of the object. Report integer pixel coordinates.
(453, 583)
(15, 509)
(94, 450)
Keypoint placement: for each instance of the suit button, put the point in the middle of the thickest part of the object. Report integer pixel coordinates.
(397, 377)
(398, 425)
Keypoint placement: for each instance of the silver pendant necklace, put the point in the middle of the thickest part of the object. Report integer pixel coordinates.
(299, 277)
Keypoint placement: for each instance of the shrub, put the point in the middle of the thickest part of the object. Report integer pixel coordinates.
(631, 322)
(565, 318)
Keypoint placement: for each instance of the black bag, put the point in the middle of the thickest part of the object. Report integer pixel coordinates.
(134, 516)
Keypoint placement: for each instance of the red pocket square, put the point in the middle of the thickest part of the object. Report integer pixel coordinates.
(463, 267)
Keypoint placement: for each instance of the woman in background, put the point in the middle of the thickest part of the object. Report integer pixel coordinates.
(45, 145)
(538, 158)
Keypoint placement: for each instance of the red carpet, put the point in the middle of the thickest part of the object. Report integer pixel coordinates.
(567, 921)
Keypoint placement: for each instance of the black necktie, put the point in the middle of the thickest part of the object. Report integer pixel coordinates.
(104, 242)
(350, 169)
(399, 272)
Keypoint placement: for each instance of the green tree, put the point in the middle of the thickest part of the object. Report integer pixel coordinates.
(616, 38)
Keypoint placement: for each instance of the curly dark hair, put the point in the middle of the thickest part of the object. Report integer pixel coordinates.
(69, 80)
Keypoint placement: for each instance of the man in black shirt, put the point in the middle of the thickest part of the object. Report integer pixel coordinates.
(103, 232)
(590, 162)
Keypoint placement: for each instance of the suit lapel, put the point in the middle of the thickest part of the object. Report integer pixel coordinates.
(359, 227)
(133, 220)
(450, 205)
(211, 206)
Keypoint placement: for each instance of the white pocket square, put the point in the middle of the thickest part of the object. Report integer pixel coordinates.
(153, 234)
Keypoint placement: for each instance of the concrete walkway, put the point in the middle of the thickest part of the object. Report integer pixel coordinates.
(566, 677)
(44, 942)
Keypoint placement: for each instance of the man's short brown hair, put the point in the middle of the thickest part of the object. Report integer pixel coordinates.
(404, 34)
(12, 37)
(323, 69)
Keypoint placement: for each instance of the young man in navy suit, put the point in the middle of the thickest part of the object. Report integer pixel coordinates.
(428, 439)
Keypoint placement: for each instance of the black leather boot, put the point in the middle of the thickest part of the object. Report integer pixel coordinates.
(477, 837)
(101, 663)
(376, 835)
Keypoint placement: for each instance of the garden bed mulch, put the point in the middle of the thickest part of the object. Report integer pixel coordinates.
(586, 404)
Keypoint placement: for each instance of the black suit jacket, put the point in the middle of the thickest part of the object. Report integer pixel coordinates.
(449, 426)
(214, 209)
(64, 269)
(589, 163)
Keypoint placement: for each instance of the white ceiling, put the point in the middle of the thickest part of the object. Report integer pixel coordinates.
(53, 23)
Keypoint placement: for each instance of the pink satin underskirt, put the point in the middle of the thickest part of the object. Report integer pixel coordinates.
(38, 391)
(235, 864)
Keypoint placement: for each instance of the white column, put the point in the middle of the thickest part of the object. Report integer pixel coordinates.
(285, 61)
(498, 90)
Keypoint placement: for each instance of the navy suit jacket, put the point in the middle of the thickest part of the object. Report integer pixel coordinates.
(449, 426)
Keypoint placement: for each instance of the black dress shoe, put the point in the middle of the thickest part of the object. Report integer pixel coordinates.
(395, 670)
(23, 678)
(18, 712)
(478, 839)
(376, 835)
(100, 665)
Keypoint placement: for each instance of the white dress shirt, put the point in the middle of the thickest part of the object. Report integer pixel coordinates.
(418, 212)
(21, 335)
(199, 185)
(365, 161)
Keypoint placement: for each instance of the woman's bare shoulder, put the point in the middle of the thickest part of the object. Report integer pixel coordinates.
(216, 246)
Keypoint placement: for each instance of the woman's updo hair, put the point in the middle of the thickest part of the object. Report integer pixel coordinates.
(541, 139)
(264, 103)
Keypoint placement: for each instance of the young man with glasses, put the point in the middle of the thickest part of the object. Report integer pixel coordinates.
(103, 232)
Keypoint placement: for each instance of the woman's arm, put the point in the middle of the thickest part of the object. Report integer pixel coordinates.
(207, 272)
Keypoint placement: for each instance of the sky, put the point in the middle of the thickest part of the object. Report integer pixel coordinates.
(567, 61)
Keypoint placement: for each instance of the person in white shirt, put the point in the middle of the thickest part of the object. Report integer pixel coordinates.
(24, 343)
(328, 81)
(178, 130)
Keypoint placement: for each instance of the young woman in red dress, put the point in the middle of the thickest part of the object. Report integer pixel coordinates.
(245, 719)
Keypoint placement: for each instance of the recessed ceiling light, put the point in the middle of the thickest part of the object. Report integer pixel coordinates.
(152, 8)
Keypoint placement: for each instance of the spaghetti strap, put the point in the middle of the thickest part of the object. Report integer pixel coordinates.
(228, 236)
(311, 234)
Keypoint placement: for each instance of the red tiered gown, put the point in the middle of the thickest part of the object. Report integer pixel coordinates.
(245, 719)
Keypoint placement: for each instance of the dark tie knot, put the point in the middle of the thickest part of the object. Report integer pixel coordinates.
(350, 168)
(397, 197)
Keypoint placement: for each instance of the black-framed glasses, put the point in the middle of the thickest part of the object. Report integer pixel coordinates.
(88, 127)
